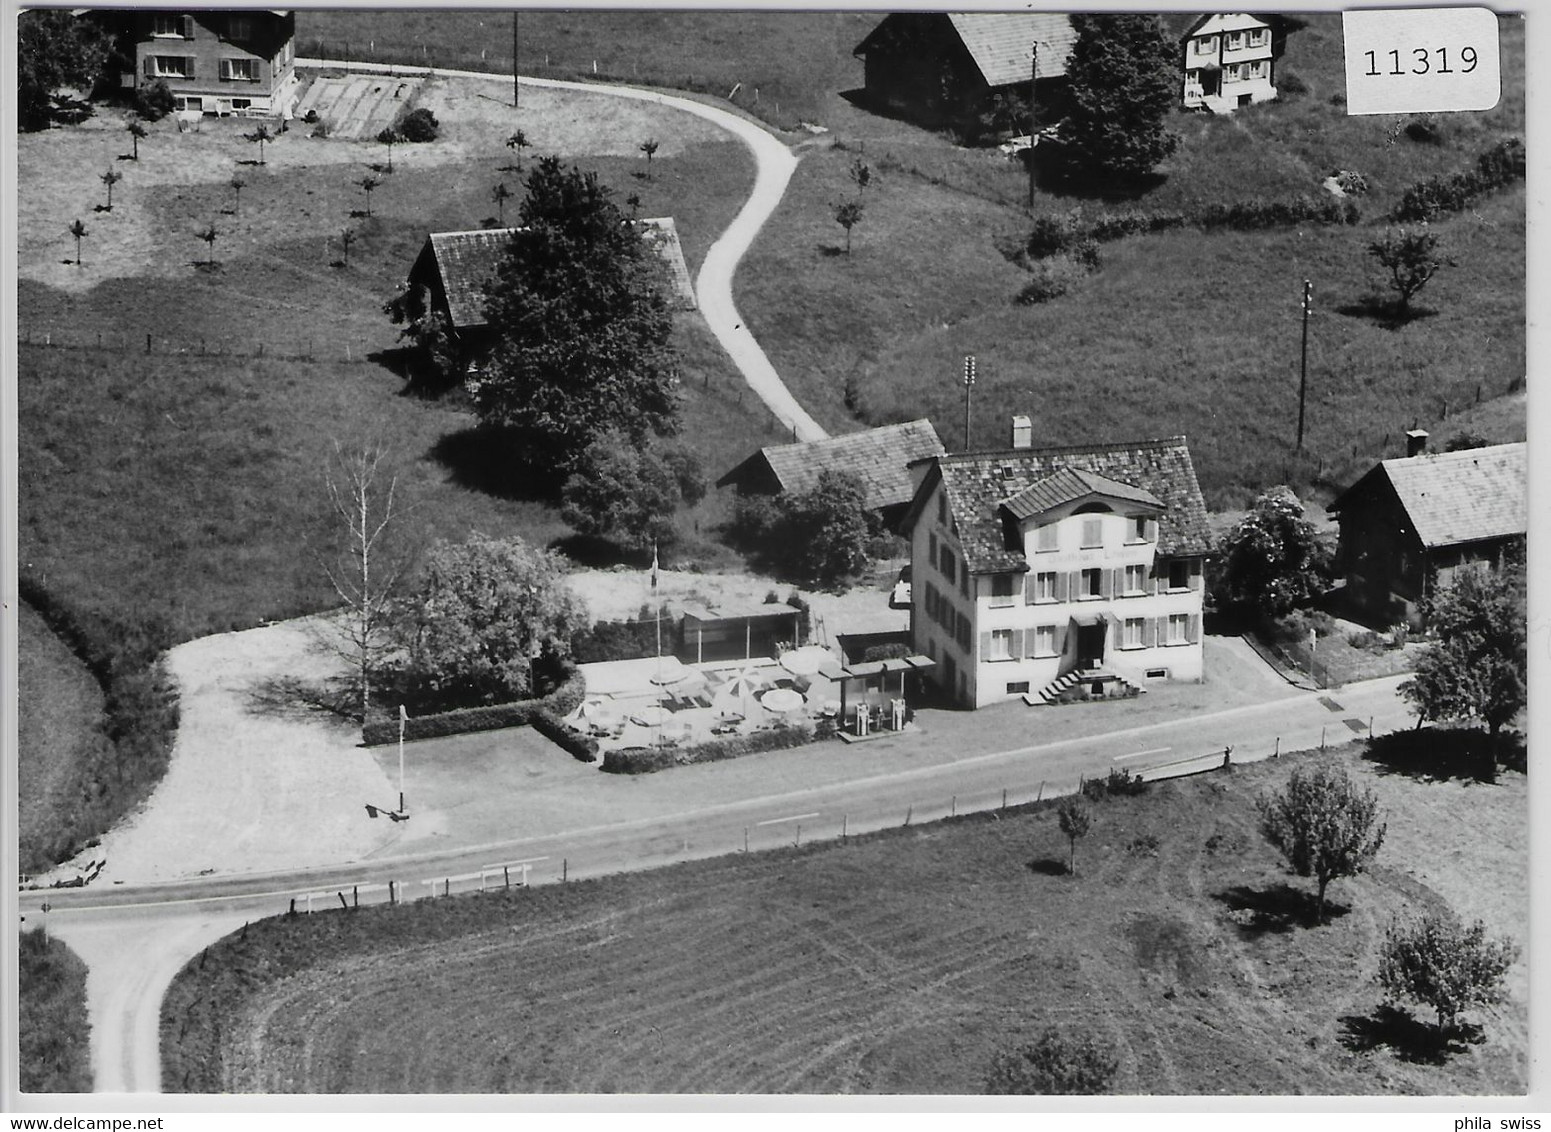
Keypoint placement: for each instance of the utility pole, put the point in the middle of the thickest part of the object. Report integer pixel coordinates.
(969, 383)
(403, 720)
(1303, 368)
(514, 58)
(1033, 85)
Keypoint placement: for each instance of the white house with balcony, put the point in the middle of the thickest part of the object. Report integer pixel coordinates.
(1054, 574)
(1229, 61)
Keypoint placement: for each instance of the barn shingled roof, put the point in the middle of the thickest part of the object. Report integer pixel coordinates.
(977, 483)
(879, 457)
(467, 261)
(1459, 497)
(999, 43)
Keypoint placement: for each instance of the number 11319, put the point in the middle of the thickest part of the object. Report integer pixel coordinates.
(1421, 62)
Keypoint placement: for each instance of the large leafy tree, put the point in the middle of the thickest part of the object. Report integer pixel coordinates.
(1477, 668)
(1440, 961)
(1324, 824)
(53, 50)
(582, 325)
(628, 493)
(1272, 560)
(484, 611)
(1122, 76)
(822, 534)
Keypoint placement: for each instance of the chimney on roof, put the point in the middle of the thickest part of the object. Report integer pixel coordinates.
(1022, 431)
(1416, 441)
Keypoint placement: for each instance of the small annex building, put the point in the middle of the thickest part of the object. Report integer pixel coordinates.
(454, 268)
(879, 457)
(1054, 574)
(1229, 61)
(1411, 522)
(943, 68)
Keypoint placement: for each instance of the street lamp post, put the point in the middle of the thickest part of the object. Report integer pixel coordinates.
(403, 720)
(969, 383)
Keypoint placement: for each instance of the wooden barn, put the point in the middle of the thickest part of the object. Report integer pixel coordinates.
(947, 68)
(454, 268)
(879, 457)
(1409, 523)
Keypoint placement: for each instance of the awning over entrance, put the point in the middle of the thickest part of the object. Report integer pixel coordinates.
(1087, 620)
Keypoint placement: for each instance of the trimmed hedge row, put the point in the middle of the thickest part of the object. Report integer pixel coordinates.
(519, 713)
(550, 725)
(647, 760)
(140, 714)
(1250, 215)
(1497, 168)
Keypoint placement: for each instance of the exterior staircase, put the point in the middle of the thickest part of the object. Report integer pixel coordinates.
(1079, 685)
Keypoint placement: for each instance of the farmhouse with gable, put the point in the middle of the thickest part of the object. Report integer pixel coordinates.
(1410, 523)
(1058, 573)
(453, 268)
(234, 61)
(1229, 61)
(943, 67)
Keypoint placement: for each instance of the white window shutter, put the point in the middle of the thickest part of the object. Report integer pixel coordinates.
(1195, 574)
(1193, 628)
(188, 27)
(150, 66)
(1015, 650)
(1061, 632)
(188, 67)
(985, 646)
(1149, 632)
(1063, 581)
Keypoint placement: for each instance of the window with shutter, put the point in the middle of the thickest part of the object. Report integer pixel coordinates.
(1150, 632)
(1092, 533)
(150, 66)
(1001, 589)
(1193, 629)
(1061, 633)
(188, 68)
(1104, 583)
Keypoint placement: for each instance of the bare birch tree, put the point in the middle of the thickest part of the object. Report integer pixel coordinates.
(366, 571)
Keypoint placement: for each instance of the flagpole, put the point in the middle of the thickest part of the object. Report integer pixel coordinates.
(657, 621)
(403, 719)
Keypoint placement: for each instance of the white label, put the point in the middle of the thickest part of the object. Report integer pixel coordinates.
(1421, 60)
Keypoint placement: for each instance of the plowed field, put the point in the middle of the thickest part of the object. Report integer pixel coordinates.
(895, 963)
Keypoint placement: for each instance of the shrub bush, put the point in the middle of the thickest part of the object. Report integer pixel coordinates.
(462, 721)
(418, 125)
(549, 725)
(52, 1030)
(1290, 82)
(1295, 627)
(153, 102)
(1054, 1064)
(1121, 783)
(1052, 235)
(1351, 182)
(623, 640)
(896, 651)
(1495, 169)
(1425, 128)
(1050, 279)
(645, 760)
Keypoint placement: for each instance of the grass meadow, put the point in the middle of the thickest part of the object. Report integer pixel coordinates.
(52, 1032)
(896, 963)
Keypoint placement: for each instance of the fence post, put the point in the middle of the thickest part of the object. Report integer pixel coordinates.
(147, 343)
(446, 886)
(845, 821)
(1004, 797)
(292, 912)
(1277, 752)
(1041, 795)
(355, 894)
(343, 903)
(798, 843)
(1322, 738)
(909, 812)
(506, 875)
(564, 869)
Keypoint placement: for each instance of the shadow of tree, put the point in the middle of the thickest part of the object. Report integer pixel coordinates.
(1275, 909)
(290, 697)
(1410, 1038)
(1048, 867)
(597, 553)
(1385, 312)
(492, 461)
(1441, 754)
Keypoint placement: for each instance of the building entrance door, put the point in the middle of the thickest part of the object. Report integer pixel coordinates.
(1090, 645)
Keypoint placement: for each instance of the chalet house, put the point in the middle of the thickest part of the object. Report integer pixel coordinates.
(943, 68)
(1409, 523)
(214, 62)
(454, 268)
(1054, 574)
(879, 457)
(1229, 61)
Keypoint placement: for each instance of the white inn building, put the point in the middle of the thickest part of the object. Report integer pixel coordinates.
(1230, 61)
(1057, 573)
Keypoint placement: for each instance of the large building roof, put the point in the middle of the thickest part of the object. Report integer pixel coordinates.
(466, 261)
(999, 43)
(1217, 23)
(879, 457)
(978, 484)
(1458, 497)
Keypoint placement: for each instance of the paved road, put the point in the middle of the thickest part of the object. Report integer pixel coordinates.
(774, 163)
(135, 939)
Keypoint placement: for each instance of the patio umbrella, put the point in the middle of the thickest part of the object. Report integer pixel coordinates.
(745, 681)
(805, 661)
(782, 700)
(673, 677)
(652, 715)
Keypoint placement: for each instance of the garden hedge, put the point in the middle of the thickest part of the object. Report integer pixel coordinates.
(519, 713)
(647, 760)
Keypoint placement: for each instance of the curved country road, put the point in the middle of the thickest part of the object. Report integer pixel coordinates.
(135, 939)
(774, 164)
